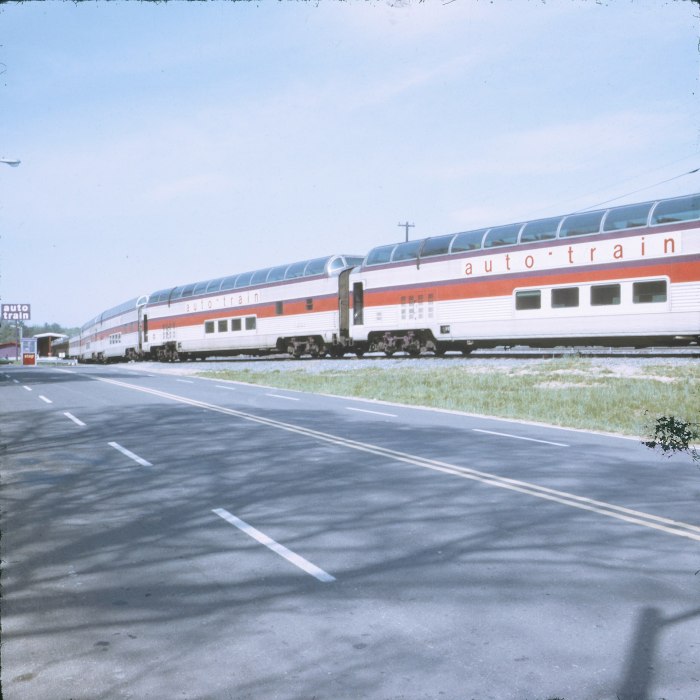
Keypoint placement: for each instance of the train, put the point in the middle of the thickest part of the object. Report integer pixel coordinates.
(624, 276)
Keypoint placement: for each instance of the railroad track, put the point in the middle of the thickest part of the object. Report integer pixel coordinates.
(515, 354)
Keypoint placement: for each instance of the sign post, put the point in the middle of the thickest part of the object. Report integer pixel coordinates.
(18, 313)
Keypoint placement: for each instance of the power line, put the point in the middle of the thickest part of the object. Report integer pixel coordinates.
(641, 189)
(562, 205)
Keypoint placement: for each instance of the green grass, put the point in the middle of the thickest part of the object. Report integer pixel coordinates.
(572, 392)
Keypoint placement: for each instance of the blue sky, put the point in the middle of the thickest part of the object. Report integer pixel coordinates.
(165, 143)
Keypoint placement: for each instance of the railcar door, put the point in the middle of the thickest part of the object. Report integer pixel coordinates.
(141, 323)
(344, 303)
(143, 329)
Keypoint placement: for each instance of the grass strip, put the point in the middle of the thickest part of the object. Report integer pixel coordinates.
(575, 393)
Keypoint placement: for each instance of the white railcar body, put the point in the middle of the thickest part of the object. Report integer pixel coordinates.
(624, 276)
(112, 335)
(289, 308)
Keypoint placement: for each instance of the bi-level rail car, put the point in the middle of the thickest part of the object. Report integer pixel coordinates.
(110, 336)
(289, 308)
(624, 276)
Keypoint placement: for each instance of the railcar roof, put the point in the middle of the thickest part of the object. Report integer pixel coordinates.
(114, 311)
(329, 265)
(657, 212)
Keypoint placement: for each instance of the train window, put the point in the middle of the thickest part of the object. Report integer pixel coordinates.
(502, 235)
(318, 266)
(250, 323)
(279, 308)
(187, 291)
(199, 288)
(406, 251)
(243, 280)
(260, 276)
(353, 260)
(358, 304)
(222, 326)
(277, 273)
(122, 308)
(540, 230)
(228, 283)
(564, 297)
(528, 299)
(295, 270)
(209, 326)
(469, 240)
(439, 245)
(605, 294)
(679, 209)
(235, 324)
(338, 264)
(627, 217)
(380, 255)
(174, 294)
(649, 292)
(581, 224)
(310, 304)
(214, 285)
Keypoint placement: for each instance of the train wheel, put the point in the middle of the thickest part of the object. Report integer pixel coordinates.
(317, 351)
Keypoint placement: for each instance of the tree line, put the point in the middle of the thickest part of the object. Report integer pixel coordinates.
(8, 330)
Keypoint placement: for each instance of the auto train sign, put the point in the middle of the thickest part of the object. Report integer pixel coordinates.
(16, 312)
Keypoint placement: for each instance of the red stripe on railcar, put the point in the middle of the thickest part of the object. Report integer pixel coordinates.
(296, 307)
(678, 271)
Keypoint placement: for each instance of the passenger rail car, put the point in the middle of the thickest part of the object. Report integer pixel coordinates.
(112, 335)
(623, 276)
(289, 308)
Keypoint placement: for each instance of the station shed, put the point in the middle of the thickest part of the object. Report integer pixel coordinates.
(45, 342)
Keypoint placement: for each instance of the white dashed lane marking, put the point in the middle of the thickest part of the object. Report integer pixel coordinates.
(77, 421)
(130, 454)
(276, 547)
(519, 437)
(376, 413)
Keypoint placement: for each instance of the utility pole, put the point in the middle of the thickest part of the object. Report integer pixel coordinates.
(406, 226)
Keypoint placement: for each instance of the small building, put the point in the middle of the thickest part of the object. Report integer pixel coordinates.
(8, 351)
(44, 343)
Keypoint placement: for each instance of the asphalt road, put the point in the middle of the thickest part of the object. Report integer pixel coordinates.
(175, 537)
